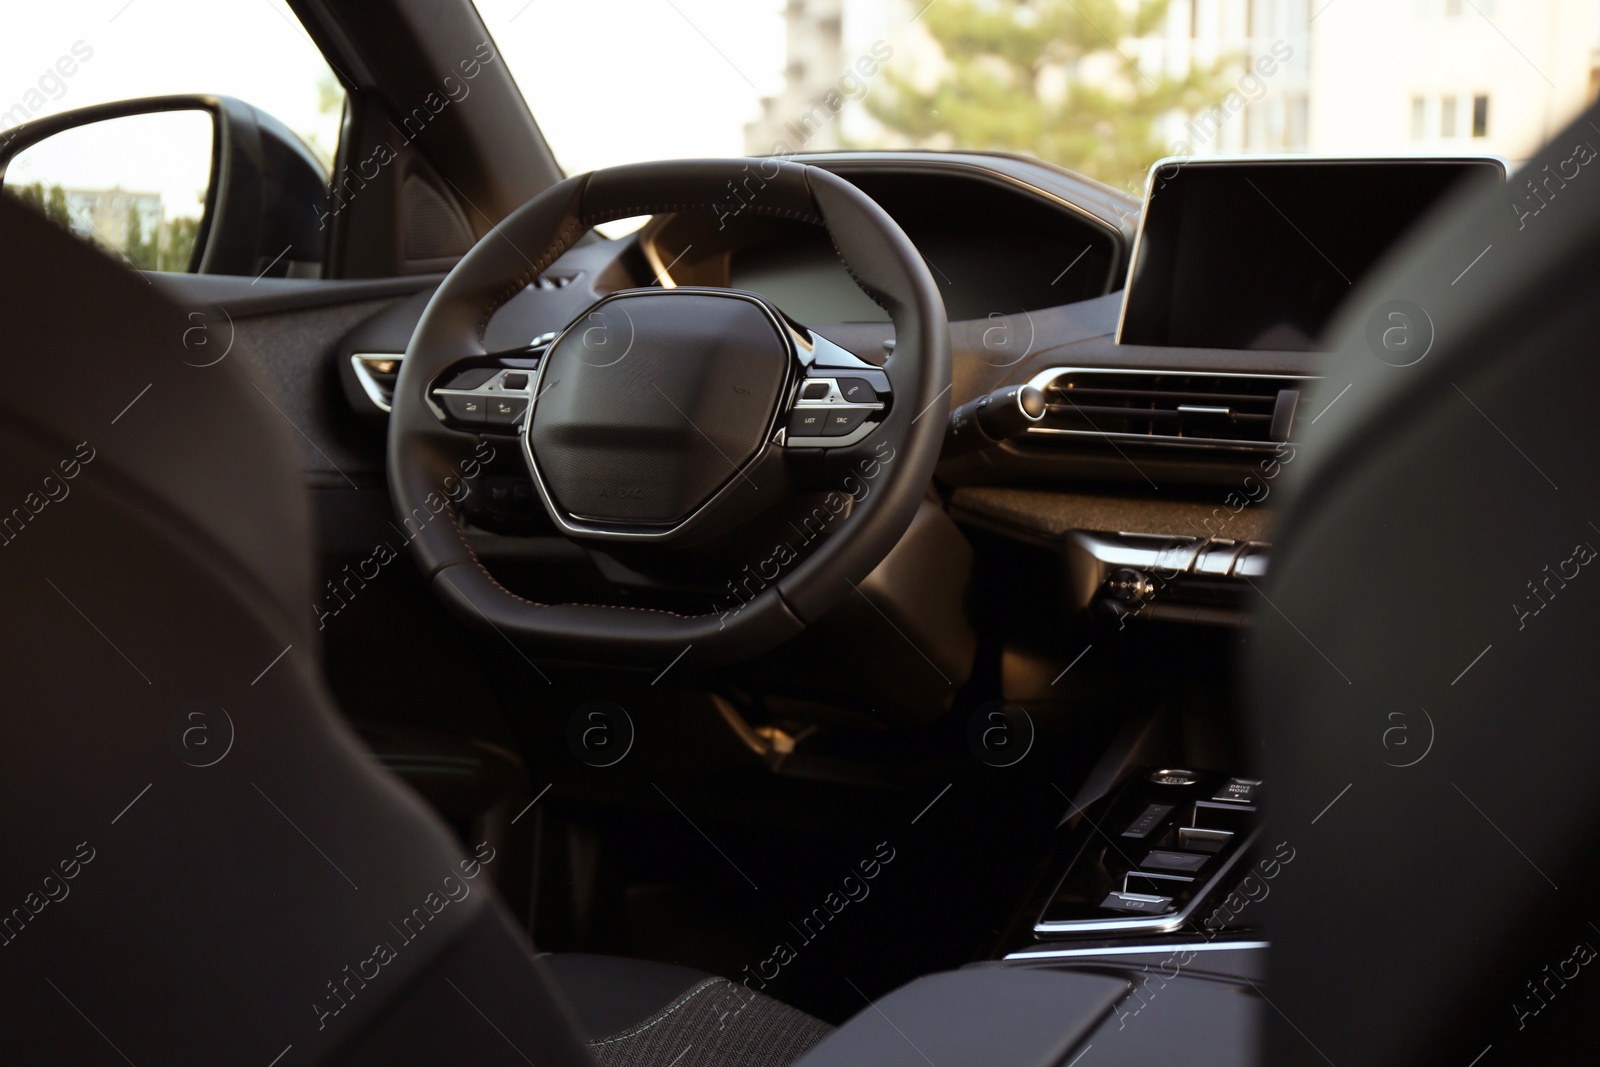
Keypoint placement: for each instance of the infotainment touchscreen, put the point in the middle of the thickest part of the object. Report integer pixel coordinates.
(1256, 254)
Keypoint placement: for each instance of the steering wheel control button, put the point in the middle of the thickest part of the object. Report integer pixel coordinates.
(471, 379)
(1162, 860)
(841, 421)
(515, 380)
(857, 391)
(1240, 790)
(506, 411)
(814, 391)
(1147, 823)
(1136, 902)
(809, 422)
(463, 409)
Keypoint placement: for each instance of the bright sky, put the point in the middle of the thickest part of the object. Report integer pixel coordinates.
(612, 81)
(725, 55)
(152, 48)
(711, 61)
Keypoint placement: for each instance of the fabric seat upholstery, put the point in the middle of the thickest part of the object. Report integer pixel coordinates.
(635, 1014)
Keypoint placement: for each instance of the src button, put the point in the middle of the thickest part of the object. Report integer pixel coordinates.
(843, 420)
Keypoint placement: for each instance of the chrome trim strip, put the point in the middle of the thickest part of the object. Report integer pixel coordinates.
(1135, 950)
(652, 255)
(855, 435)
(833, 399)
(480, 392)
(1119, 553)
(1191, 161)
(1044, 378)
(816, 350)
(495, 385)
(1163, 442)
(369, 384)
(1161, 924)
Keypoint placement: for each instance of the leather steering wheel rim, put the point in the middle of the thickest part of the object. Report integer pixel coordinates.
(425, 457)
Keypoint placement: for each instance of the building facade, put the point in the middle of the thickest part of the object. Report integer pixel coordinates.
(105, 216)
(1303, 76)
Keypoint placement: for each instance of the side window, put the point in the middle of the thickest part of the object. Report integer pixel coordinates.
(83, 140)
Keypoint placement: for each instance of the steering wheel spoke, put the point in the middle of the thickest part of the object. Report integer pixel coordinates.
(841, 397)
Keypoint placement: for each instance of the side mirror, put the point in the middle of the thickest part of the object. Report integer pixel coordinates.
(198, 183)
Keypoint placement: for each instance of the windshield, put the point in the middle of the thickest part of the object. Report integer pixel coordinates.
(1103, 87)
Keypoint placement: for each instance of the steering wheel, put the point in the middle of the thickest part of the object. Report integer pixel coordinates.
(670, 424)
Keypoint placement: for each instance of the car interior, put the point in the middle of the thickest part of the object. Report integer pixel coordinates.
(431, 641)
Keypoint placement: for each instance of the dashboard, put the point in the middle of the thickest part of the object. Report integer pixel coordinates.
(1215, 368)
(995, 244)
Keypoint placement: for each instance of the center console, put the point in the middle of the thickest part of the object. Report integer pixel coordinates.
(1139, 950)
(1163, 846)
(1172, 863)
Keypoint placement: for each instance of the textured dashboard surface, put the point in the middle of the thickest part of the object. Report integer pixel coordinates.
(1051, 513)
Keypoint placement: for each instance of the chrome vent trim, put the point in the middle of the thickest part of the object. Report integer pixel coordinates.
(1252, 417)
(377, 371)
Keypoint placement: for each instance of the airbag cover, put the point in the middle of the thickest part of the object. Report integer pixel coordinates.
(652, 401)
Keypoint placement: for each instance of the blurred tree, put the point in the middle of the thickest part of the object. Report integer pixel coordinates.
(168, 245)
(140, 250)
(32, 195)
(55, 207)
(179, 234)
(1049, 78)
(51, 204)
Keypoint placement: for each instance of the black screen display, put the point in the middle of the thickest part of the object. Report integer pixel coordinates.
(1256, 255)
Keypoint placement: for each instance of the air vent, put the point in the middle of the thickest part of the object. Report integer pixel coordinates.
(1237, 411)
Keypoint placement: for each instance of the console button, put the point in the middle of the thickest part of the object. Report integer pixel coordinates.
(471, 379)
(843, 420)
(1242, 790)
(515, 380)
(1173, 777)
(1137, 902)
(1146, 823)
(814, 391)
(464, 409)
(1162, 860)
(506, 410)
(857, 391)
(808, 422)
